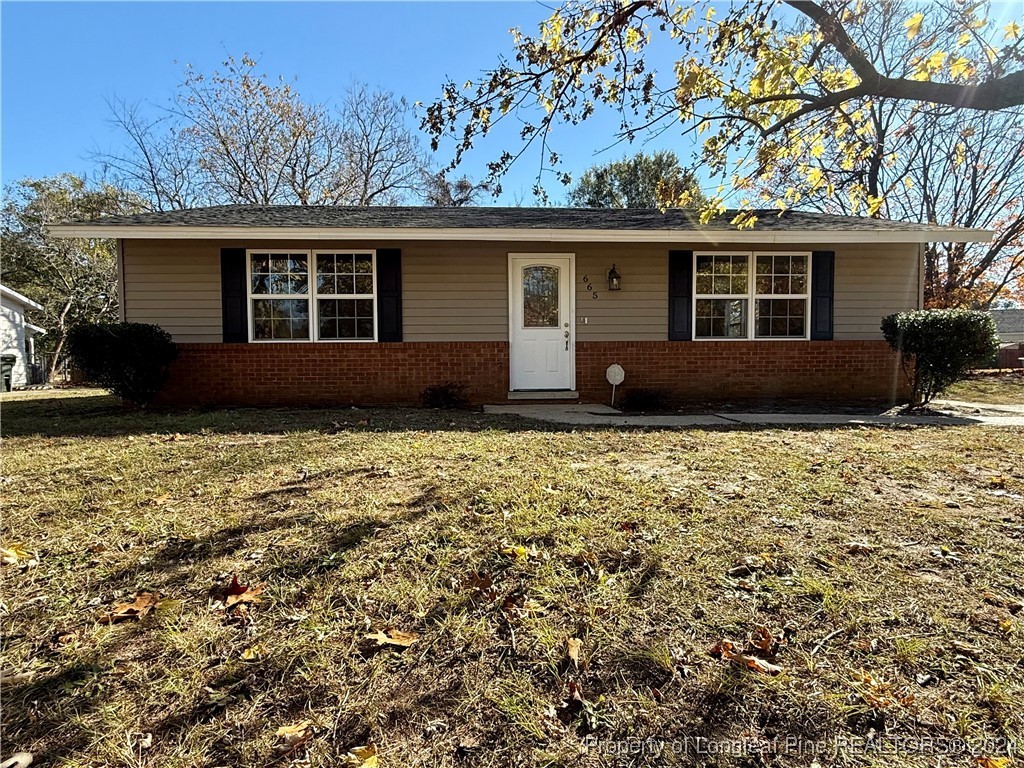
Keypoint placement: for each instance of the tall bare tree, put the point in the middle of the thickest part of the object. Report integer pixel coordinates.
(441, 192)
(236, 136)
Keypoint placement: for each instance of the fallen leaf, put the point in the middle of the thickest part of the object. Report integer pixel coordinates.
(13, 554)
(992, 762)
(573, 646)
(237, 594)
(747, 566)
(253, 653)
(142, 740)
(482, 586)
(966, 649)
(294, 735)
(1002, 601)
(362, 757)
(763, 640)
(393, 637)
(998, 481)
(726, 650)
(143, 604)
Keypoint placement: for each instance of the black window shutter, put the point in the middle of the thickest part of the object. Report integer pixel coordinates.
(823, 268)
(389, 294)
(680, 295)
(234, 311)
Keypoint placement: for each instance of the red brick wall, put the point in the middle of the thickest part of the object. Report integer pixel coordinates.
(709, 370)
(339, 374)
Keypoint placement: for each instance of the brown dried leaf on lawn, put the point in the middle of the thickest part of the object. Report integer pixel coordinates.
(992, 762)
(998, 481)
(966, 649)
(764, 641)
(726, 650)
(294, 735)
(573, 646)
(482, 586)
(237, 594)
(393, 637)
(747, 566)
(1002, 601)
(143, 604)
(362, 757)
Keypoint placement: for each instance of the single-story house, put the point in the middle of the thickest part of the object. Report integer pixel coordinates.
(1009, 324)
(292, 304)
(17, 335)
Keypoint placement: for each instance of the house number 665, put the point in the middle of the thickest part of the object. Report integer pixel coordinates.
(590, 286)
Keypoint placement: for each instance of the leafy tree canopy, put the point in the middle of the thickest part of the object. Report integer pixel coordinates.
(758, 89)
(641, 181)
(75, 280)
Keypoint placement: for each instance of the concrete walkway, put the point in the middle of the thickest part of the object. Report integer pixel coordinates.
(603, 415)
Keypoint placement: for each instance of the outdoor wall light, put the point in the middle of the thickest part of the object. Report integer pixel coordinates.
(614, 279)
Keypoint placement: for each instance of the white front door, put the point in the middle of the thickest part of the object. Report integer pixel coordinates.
(541, 327)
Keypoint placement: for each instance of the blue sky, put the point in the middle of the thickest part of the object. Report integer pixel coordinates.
(62, 61)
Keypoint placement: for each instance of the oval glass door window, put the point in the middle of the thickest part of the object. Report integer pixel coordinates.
(540, 297)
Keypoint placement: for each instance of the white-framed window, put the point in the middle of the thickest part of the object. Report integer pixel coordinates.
(312, 295)
(751, 295)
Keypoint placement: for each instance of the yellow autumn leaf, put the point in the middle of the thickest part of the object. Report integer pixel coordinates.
(960, 66)
(11, 555)
(913, 25)
(362, 757)
(1012, 31)
(992, 762)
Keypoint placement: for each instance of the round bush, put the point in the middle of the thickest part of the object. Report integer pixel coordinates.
(939, 346)
(130, 360)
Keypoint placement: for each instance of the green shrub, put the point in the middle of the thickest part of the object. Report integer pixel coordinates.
(130, 360)
(645, 399)
(939, 346)
(451, 396)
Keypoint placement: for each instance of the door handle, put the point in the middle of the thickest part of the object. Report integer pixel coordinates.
(566, 341)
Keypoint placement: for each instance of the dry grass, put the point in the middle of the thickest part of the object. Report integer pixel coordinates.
(1003, 389)
(358, 521)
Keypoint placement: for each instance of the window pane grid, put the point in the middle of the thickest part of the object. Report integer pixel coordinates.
(337, 288)
(728, 286)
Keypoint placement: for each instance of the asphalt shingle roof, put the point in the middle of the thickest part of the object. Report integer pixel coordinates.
(381, 217)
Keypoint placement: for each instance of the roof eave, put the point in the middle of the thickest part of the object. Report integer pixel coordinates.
(825, 236)
(25, 301)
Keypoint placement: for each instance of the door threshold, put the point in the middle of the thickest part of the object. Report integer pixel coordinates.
(544, 394)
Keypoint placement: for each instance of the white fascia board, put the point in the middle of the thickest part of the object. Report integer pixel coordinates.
(16, 297)
(949, 235)
(35, 329)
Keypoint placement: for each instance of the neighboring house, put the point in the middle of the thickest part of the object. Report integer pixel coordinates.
(329, 305)
(1009, 324)
(17, 335)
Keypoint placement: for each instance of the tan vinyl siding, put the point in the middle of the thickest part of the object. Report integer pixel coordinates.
(870, 283)
(458, 291)
(639, 312)
(175, 285)
(454, 292)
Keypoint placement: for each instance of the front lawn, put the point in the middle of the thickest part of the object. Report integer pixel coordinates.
(531, 594)
(997, 389)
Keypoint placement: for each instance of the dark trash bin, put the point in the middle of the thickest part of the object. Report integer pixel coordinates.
(7, 370)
